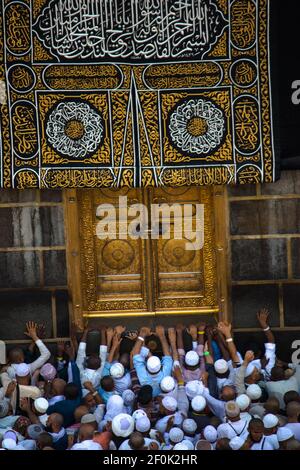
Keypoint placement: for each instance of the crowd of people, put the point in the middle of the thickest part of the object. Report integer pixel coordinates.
(183, 388)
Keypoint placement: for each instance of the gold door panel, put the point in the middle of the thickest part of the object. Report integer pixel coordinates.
(185, 278)
(127, 277)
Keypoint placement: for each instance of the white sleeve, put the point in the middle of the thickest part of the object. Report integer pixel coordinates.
(103, 357)
(44, 356)
(99, 413)
(81, 353)
(271, 355)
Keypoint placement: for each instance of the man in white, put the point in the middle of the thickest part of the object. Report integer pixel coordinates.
(293, 414)
(235, 426)
(17, 355)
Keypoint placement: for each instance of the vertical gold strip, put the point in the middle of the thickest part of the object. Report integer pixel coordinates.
(222, 238)
(73, 255)
(151, 269)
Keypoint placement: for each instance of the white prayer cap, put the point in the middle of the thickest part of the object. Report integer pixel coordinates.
(254, 391)
(41, 405)
(34, 430)
(169, 403)
(189, 425)
(250, 368)
(243, 401)
(167, 384)
(122, 425)
(128, 397)
(188, 443)
(180, 446)
(221, 366)
(210, 434)
(176, 435)
(198, 403)
(139, 414)
(236, 443)
(9, 444)
(22, 370)
(191, 358)
(117, 370)
(284, 434)
(114, 406)
(232, 409)
(153, 364)
(115, 401)
(270, 421)
(88, 418)
(143, 424)
(194, 388)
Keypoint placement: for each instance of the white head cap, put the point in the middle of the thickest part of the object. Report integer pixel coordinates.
(189, 425)
(167, 384)
(122, 425)
(284, 434)
(250, 368)
(188, 443)
(139, 414)
(270, 421)
(22, 370)
(153, 364)
(180, 446)
(41, 405)
(169, 403)
(243, 401)
(210, 434)
(176, 435)
(194, 388)
(254, 392)
(9, 444)
(221, 366)
(191, 358)
(236, 443)
(128, 397)
(117, 370)
(198, 403)
(143, 424)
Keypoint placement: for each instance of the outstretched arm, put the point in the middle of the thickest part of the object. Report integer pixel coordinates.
(160, 332)
(31, 331)
(263, 320)
(225, 329)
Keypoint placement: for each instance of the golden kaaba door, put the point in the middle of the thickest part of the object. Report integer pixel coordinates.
(152, 275)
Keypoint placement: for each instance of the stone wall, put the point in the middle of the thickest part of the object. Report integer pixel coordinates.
(33, 277)
(264, 247)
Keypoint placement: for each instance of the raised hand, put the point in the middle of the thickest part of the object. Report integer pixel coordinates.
(10, 389)
(70, 351)
(193, 331)
(249, 356)
(225, 329)
(119, 329)
(145, 331)
(159, 330)
(31, 330)
(263, 317)
(172, 334)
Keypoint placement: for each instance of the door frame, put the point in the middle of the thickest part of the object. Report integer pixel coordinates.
(72, 231)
